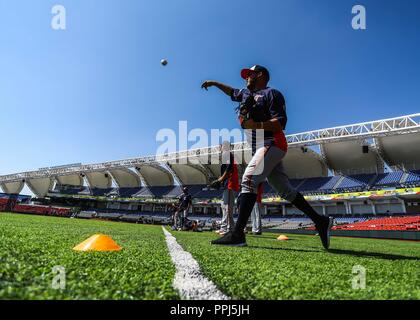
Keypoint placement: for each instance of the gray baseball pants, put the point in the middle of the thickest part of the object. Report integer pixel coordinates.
(267, 163)
(227, 222)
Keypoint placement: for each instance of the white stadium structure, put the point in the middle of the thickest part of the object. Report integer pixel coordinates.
(379, 160)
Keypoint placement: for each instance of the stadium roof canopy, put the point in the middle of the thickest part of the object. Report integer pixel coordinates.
(351, 149)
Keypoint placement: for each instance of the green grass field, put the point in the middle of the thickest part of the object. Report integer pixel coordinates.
(30, 246)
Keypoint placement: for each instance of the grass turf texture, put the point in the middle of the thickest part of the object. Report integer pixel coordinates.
(301, 269)
(268, 269)
(30, 246)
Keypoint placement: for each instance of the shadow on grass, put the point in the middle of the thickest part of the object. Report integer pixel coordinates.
(377, 255)
(283, 249)
(264, 237)
(362, 254)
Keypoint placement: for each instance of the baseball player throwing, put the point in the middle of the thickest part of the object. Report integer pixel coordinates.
(263, 110)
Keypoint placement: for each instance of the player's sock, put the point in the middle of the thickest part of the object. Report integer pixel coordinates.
(246, 204)
(306, 208)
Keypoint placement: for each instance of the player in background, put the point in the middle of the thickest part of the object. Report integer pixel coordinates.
(229, 181)
(257, 212)
(184, 205)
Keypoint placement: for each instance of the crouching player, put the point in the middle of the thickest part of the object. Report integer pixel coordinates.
(185, 202)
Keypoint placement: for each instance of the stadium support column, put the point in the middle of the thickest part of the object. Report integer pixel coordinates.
(284, 209)
(403, 206)
(348, 207)
(373, 207)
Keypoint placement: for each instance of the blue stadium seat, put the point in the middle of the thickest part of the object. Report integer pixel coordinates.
(144, 192)
(295, 182)
(309, 186)
(70, 190)
(175, 192)
(19, 197)
(100, 192)
(205, 194)
(391, 179)
(160, 191)
(357, 182)
(413, 178)
(127, 192)
(319, 184)
(195, 189)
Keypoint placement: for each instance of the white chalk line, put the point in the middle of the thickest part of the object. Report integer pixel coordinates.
(189, 281)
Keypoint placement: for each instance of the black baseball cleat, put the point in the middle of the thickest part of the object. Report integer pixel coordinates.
(324, 228)
(231, 239)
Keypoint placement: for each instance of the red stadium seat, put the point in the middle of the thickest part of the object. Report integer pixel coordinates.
(395, 224)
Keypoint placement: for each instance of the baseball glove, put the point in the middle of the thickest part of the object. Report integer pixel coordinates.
(216, 184)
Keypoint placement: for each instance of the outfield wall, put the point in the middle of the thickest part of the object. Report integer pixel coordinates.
(377, 234)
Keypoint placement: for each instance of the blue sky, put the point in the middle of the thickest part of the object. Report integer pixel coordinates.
(96, 91)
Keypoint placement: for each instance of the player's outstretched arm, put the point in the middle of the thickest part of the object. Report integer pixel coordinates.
(224, 176)
(223, 87)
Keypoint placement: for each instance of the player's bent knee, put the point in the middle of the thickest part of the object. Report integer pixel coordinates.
(248, 188)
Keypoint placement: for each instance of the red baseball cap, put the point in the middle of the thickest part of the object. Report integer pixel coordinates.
(257, 68)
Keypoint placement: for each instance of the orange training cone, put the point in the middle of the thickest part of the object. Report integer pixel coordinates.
(282, 237)
(98, 242)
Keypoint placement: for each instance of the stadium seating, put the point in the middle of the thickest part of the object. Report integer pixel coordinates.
(391, 179)
(296, 182)
(126, 192)
(358, 182)
(194, 190)
(323, 184)
(174, 193)
(209, 194)
(294, 223)
(159, 192)
(346, 220)
(86, 214)
(413, 178)
(330, 183)
(308, 186)
(99, 192)
(408, 223)
(305, 223)
(109, 215)
(18, 197)
(3, 203)
(42, 210)
(144, 192)
(70, 190)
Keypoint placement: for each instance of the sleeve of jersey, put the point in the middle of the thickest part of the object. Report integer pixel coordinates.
(229, 168)
(231, 161)
(277, 107)
(236, 95)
